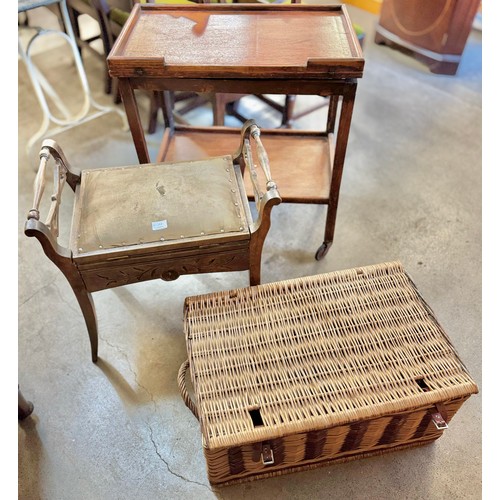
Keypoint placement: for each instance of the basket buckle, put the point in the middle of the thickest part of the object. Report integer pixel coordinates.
(267, 455)
(439, 421)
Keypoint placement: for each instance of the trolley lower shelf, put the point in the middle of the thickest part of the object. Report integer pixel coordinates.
(301, 161)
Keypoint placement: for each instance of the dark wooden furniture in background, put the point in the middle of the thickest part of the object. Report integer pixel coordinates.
(110, 16)
(78, 8)
(24, 407)
(144, 222)
(179, 48)
(435, 32)
(101, 11)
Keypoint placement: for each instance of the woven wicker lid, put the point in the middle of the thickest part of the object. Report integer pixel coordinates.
(309, 353)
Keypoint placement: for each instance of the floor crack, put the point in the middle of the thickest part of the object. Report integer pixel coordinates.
(69, 304)
(124, 354)
(168, 466)
(180, 476)
(38, 291)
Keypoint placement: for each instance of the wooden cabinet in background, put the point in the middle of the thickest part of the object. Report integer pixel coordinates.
(435, 32)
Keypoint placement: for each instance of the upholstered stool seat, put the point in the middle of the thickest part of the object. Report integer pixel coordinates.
(177, 205)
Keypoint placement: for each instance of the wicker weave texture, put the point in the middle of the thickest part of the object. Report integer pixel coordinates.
(335, 444)
(316, 352)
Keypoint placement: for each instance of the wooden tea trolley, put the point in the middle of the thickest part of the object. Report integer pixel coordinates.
(253, 49)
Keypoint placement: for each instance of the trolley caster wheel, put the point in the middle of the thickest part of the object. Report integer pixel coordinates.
(322, 250)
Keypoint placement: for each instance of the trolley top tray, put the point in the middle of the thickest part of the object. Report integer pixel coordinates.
(251, 41)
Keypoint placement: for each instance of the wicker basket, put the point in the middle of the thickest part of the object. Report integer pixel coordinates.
(304, 372)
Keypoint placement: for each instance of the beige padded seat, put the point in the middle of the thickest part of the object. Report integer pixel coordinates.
(170, 204)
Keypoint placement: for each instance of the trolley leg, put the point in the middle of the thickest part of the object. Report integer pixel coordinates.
(323, 250)
(338, 162)
(134, 119)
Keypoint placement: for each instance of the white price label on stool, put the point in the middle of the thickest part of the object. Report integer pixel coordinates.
(159, 224)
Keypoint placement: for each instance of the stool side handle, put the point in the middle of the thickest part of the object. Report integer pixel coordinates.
(181, 382)
(262, 154)
(264, 200)
(63, 174)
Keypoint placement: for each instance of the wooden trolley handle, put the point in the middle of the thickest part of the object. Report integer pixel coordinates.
(181, 381)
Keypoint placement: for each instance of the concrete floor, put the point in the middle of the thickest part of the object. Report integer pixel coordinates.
(411, 191)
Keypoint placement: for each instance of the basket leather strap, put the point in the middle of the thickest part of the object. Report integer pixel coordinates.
(181, 382)
(441, 408)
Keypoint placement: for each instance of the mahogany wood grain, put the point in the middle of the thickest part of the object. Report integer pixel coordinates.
(134, 119)
(338, 163)
(293, 155)
(62, 258)
(304, 86)
(168, 267)
(208, 41)
(434, 32)
(252, 49)
(24, 407)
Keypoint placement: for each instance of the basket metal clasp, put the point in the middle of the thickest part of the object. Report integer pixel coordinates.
(267, 455)
(439, 421)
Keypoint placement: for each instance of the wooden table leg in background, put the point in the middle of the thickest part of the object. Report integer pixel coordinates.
(24, 408)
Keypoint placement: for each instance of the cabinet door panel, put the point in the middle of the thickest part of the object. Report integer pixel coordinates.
(422, 22)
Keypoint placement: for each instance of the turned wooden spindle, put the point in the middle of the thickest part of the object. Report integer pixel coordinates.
(263, 158)
(52, 220)
(248, 158)
(39, 184)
